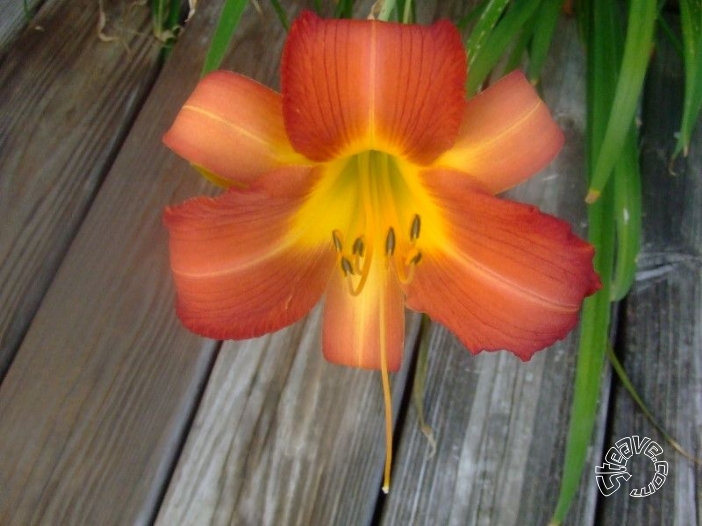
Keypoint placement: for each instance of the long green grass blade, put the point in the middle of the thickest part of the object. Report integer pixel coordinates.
(544, 28)
(386, 10)
(691, 19)
(637, 51)
(627, 214)
(594, 338)
(282, 15)
(226, 27)
(471, 15)
(344, 9)
(626, 382)
(482, 29)
(670, 34)
(174, 14)
(519, 47)
(158, 15)
(408, 12)
(28, 11)
(489, 52)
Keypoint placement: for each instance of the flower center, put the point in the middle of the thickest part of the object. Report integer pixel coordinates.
(383, 222)
(374, 212)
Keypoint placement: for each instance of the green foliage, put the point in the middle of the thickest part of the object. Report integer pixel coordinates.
(691, 18)
(282, 15)
(228, 23)
(344, 9)
(165, 15)
(477, 44)
(544, 27)
(594, 338)
(485, 53)
(629, 82)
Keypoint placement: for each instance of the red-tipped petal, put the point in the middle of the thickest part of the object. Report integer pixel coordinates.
(239, 270)
(232, 127)
(355, 327)
(352, 85)
(507, 135)
(507, 276)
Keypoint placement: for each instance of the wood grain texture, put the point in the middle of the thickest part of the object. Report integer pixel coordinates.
(501, 424)
(661, 342)
(95, 405)
(283, 437)
(66, 102)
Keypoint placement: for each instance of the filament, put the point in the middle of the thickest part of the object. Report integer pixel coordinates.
(387, 399)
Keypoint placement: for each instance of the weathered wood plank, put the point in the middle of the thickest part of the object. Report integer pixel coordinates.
(95, 405)
(500, 424)
(283, 437)
(66, 101)
(661, 342)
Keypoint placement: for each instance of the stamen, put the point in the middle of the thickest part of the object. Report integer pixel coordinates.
(346, 267)
(405, 269)
(358, 247)
(362, 269)
(336, 236)
(415, 228)
(416, 258)
(390, 242)
(387, 399)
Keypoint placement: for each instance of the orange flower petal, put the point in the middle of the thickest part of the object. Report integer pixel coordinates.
(351, 85)
(507, 135)
(510, 277)
(355, 327)
(232, 127)
(238, 269)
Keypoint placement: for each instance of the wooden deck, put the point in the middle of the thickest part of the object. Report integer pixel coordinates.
(112, 413)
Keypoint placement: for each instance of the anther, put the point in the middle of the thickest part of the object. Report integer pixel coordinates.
(337, 241)
(413, 257)
(415, 228)
(346, 267)
(358, 247)
(390, 242)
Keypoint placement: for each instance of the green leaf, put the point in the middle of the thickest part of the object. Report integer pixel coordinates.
(486, 53)
(481, 31)
(344, 9)
(226, 27)
(386, 10)
(637, 51)
(594, 339)
(544, 28)
(626, 382)
(282, 15)
(471, 15)
(627, 215)
(691, 19)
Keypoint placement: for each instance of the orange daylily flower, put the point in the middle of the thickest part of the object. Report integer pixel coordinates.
(370, 183)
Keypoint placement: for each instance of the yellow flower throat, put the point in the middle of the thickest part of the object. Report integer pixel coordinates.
(369, 203)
